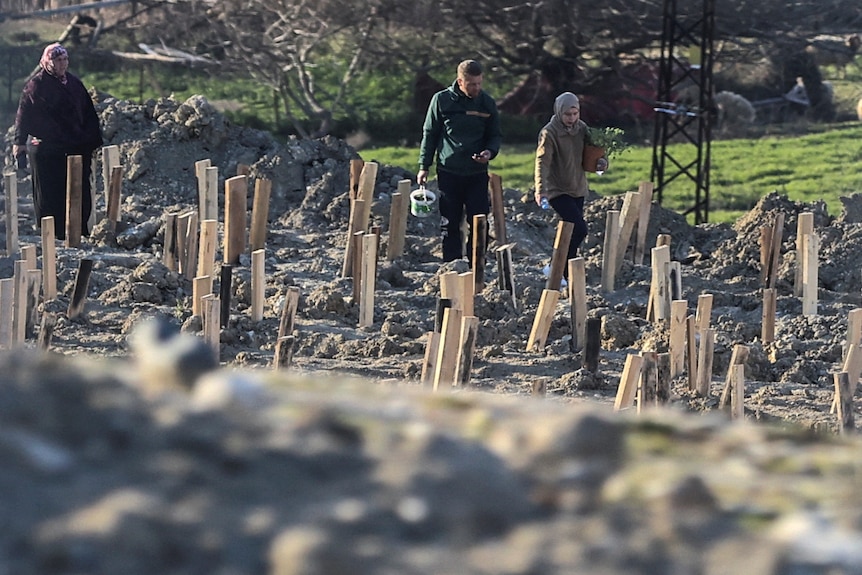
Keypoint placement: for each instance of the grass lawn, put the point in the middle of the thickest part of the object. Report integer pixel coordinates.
(816, 166)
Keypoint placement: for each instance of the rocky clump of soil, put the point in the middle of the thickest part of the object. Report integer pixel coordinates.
(256, 472)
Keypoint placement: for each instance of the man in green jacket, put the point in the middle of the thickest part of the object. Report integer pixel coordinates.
(462, 129)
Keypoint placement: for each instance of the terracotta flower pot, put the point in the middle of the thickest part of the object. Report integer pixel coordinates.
(591, 157)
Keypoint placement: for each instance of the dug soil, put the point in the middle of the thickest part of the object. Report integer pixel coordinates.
(128, 450)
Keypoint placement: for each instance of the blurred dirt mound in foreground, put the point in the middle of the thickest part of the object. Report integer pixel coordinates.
(254, 472)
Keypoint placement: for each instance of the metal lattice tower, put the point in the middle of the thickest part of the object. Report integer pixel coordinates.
(685, 108)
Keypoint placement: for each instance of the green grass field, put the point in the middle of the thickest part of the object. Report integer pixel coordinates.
(817, 166)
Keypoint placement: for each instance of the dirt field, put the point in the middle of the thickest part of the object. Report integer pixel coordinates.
(138, 463)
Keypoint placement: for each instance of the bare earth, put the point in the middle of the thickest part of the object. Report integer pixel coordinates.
(131, 465)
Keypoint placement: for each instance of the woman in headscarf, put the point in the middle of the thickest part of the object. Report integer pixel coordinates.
(57, 115)
(559, 176)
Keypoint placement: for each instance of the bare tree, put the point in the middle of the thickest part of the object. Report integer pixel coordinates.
(312, 52)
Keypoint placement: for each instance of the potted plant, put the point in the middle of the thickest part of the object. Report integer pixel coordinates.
(602, 142)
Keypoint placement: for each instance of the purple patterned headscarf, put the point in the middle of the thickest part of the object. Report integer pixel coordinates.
(50, 52)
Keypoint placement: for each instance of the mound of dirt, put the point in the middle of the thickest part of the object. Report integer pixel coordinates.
(157, 460)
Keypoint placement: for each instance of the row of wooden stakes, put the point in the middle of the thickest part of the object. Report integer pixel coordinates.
(186, 250)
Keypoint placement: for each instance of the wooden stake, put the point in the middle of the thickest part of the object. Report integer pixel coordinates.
(225, 294)
(115, 187)
(288, 312)
(10, 185)
(662, 388)
(691, 351)
(46, 330)
(480, 248)
(355, 228)
(190, 250)
(258, 284)
(854, 328)
(804, 226)
(201, 178)
(647, 390)
(236, 207)
(444, 367)
(704, 313)
(646, 190)
(628, 220)
(243, 170)
(609, 253)
(767, 330)
(183, 244)
(560, 254)
(369, 266)
(207, 248)
(506, 279)
(775, 250)
(450, 289)
(74, 198)
(738, 357)
(82, 282)
(538, 388)
(260, 213)
(210, 199)
(7, 313)
(169, 255)
(844, 392)
(19, 321)
(398, 221)
(34, 284)
(212, 333)
(466, 348)
(284, 352)
(811, 247)
(659, 290)
(542, 321)
(593, 344)
(466, 287)
(674, 279)
(628, 386)
(28, 254)
(356, 266)
(202, 286)
(429, 363)
(49, 259)
(354, 224)
(676, 343)
(765, 251)
(498, 211)
(578, 301)
(110, 160)
(737, 404)
(367, 179)
(852, 366)
(704, 362)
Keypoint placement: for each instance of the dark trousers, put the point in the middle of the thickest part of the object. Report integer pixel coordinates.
(460, 195)
(572, 210)
(49, 187)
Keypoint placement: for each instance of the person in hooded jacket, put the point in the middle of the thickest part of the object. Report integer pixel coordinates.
(462, 129)
(559, 174)
(56, 117)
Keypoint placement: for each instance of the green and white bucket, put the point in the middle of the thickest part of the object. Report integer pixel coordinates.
(422, 202)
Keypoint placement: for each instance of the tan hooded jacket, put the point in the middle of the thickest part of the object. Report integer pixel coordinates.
(559, 154)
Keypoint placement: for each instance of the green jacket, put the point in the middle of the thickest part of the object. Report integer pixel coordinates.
(456, 127)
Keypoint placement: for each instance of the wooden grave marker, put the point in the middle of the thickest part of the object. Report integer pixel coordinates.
(74, 199)
(398, 221)
(609, 252)
(560, 255)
